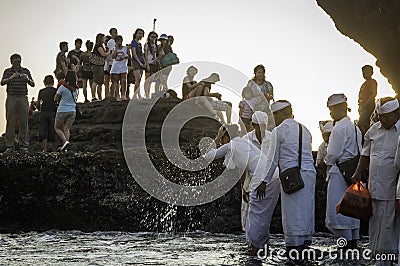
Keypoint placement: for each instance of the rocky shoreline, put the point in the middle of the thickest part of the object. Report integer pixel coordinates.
(90, 187)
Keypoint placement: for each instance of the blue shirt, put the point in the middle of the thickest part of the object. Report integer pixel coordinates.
(67, 103)
(139, 51)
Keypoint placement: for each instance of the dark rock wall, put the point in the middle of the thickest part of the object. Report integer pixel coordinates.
(90, 187)
(375, 25)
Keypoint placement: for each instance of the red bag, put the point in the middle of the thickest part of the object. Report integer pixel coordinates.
(356, 202)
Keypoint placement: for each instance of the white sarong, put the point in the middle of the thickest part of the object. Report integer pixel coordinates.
(298, 211)
(260, 214)
(337, 187)
(383, 228)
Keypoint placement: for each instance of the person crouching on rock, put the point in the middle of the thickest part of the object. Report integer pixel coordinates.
(67, 92)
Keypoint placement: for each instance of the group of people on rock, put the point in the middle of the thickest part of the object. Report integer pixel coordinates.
(109, 60)
(103, 61)
(274, 139)
(268, 156)
(57, 107)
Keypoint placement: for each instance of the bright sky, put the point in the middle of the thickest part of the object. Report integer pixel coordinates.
(306, 58)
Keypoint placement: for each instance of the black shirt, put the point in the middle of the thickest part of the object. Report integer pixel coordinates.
(73, 60)
(185, 87)
(46, 95)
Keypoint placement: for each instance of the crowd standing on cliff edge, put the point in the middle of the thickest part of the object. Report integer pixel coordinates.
(271, 146)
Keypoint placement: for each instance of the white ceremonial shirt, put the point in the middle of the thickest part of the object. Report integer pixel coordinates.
(321, 153)
(342, 143)
(380, 146)
(284, 148)
(239, 153)
(265, 141)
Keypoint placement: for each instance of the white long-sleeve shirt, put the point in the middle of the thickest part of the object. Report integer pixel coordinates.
(264, 145)
(284, 149)
(380, 146)
(243, 154)
(321, 153)
(342, 143)
(239, 153)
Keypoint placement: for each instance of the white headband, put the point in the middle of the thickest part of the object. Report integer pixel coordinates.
(327, 127)
(387, 107)
(276, 106)
(336, 99)
(259, 118)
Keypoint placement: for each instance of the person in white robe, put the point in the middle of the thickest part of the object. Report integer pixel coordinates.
(243, 154)
(378, 153)
(298, 209)
(326, 129)
(344, 144)
(260, 210)
(260, 137)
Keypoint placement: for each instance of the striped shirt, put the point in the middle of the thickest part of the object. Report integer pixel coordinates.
(17, 86)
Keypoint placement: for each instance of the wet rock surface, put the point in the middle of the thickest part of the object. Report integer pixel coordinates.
(90, 187)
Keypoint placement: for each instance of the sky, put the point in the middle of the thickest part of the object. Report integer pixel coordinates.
(306, 58)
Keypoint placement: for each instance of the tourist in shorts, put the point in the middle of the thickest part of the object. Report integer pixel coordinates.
(119, 68)
(48, 109)
(67, 93)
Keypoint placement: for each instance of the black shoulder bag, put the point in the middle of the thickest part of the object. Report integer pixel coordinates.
(291, 179)
(79, 113)
(348, 168)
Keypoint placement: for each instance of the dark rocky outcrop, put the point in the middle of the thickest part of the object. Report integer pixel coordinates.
(375, 25)
(91, 188)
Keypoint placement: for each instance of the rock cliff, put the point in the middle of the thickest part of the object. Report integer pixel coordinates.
(375, 25)
(90, 187)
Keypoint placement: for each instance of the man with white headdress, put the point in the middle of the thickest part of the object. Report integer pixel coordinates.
(344, 145)
(298, 208)
(379, 154)
(326, 129)
(259, 123)
(260, 211)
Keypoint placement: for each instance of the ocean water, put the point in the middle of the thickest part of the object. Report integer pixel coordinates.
(123, 248)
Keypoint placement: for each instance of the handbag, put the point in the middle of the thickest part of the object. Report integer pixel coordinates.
(78, 111)
(170, 59)
(96, 60)
(291, 179)
(356, 202)
(348, 167)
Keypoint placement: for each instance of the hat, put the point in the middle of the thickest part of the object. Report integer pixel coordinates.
(326, 126)
(336, 99)
(279, 105)
(214, 77)
(163, 37)
(387, 107)
(259, 117)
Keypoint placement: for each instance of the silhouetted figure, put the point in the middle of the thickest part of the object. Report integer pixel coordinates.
(48, 109)
(366, 98)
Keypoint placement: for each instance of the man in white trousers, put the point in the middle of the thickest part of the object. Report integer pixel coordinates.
(344, 144)
(378, 153)
(260, 211)
(298, 208)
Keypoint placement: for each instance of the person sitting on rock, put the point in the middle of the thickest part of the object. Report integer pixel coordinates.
(216, 106)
